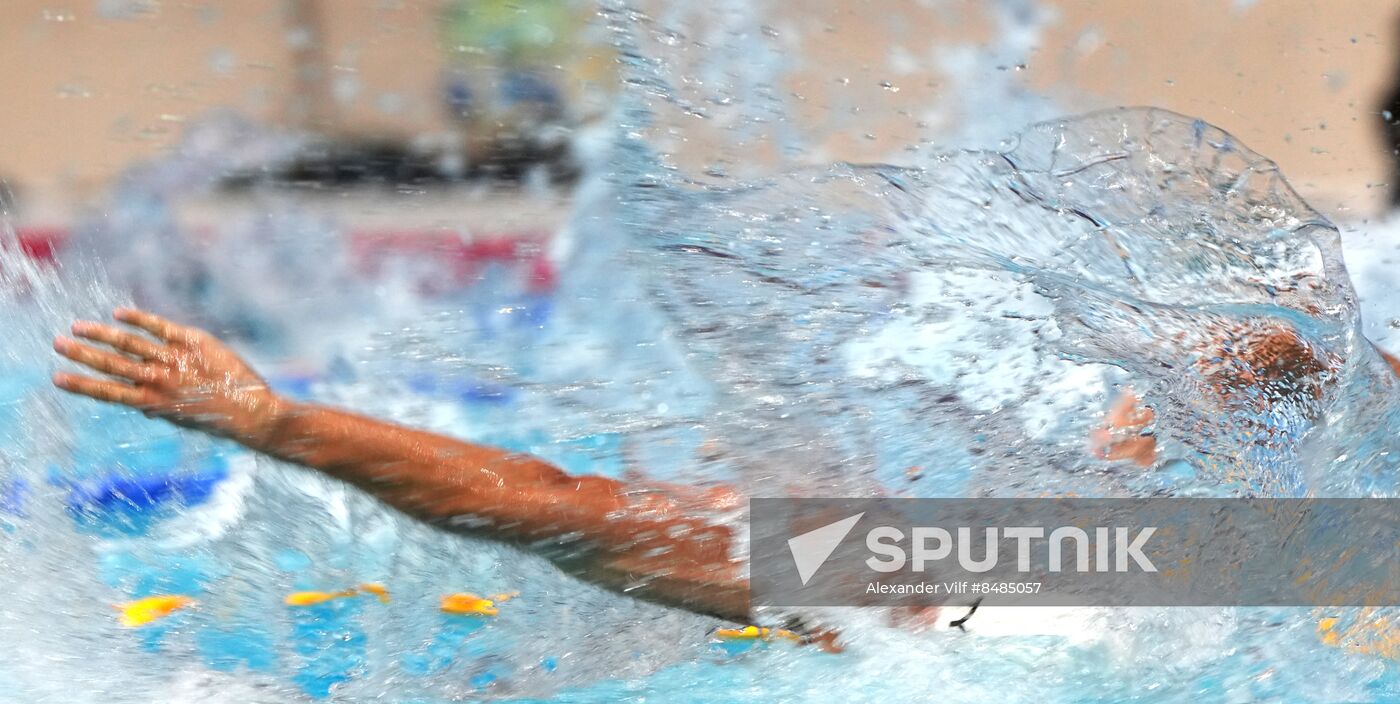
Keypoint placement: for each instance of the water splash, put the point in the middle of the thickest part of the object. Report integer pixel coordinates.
(821, 331)
(988, 291)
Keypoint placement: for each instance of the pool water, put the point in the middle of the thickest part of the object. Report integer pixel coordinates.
(102, 506)
(816, 330)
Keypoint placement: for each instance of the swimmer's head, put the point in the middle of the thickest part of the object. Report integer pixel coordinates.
(1269, 360)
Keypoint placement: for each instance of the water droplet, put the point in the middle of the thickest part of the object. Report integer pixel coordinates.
(73, 90)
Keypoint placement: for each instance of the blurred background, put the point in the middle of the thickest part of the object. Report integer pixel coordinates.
(429, 93)
(447, 135)
(380, 201)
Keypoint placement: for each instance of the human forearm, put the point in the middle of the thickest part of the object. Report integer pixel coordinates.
(660, 543)
(651, 544)
(188, 377)
(429, 476)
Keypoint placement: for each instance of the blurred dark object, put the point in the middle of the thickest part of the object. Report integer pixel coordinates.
(1390, 124)
(510, 119)
(386, 162)
(510, 89)
(508, 125)
(346, 163)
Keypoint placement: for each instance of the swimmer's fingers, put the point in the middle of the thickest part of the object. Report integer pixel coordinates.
(156, 325)
(109, 391)
(120, 339)
(103, 361)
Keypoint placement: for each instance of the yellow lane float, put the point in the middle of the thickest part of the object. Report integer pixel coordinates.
(1368, 632)
(756, 633)
(314, 598)
(141, 612)
(464, 604)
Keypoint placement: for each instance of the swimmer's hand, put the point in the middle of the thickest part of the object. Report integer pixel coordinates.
(647, 542)
(181, 374)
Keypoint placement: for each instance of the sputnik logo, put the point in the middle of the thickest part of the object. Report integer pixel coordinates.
(811, 549)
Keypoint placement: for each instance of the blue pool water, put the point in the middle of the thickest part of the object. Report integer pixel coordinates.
(100, 505)
(819, 330)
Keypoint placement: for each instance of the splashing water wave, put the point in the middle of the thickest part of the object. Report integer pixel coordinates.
(821, 333)
(1003, 295)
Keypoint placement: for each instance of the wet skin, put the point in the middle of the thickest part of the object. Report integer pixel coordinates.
(651, 541)
(1272, 357)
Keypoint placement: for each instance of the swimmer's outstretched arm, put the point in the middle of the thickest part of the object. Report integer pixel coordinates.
(646, 541)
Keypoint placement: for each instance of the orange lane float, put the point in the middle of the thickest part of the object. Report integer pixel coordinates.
(134, 614)
(314, 598)
(466, 604)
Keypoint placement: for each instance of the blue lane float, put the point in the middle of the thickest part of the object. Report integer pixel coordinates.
(14, 495)
(129, 502)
